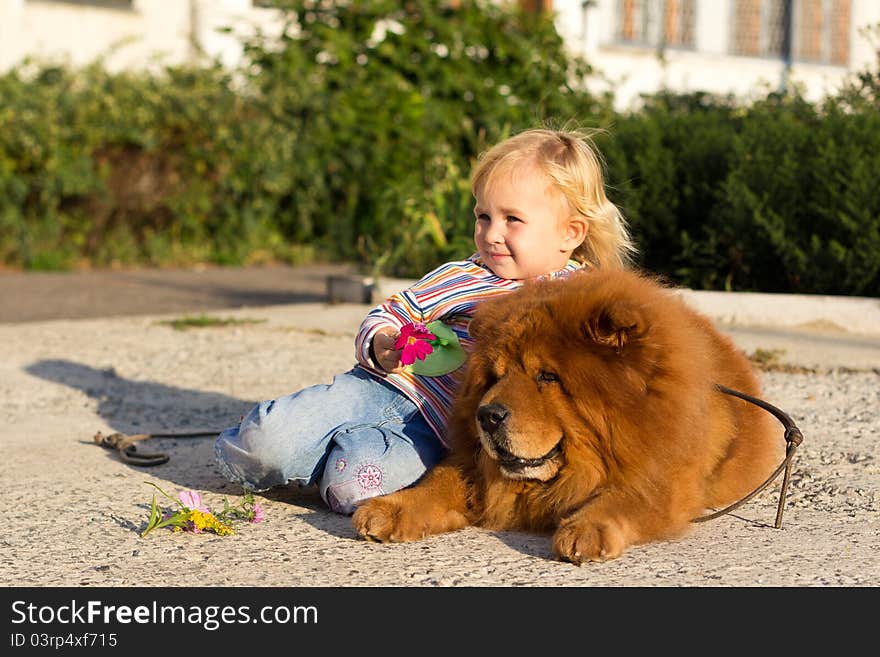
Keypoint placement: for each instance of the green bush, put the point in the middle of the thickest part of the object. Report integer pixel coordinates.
(352, 138)
(339, 140)
(803, 200)
(665, 165)
(777, 196)
(390, 103)
(131, 168)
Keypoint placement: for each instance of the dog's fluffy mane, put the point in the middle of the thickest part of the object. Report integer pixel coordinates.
(639, 367)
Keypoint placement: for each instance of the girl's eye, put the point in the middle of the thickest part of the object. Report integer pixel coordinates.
(482, 217)
(513, 219)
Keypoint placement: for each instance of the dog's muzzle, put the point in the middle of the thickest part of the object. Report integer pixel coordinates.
(513, 462)
(492, 418)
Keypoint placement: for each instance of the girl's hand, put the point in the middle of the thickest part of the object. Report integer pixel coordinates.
(384, 353)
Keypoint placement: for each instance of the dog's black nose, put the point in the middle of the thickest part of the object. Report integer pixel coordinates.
(491, 416)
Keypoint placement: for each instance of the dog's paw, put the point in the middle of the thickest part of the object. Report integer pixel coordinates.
(582, 541)
(385, 520)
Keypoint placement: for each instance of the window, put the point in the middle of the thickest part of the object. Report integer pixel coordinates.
(678, 23)
(803, 30)
(759, 27)
(536, 6)
(656, 23)
(821, 31)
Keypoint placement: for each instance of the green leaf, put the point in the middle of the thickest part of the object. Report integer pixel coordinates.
(155, 516)
(173, 499)
(446, 357)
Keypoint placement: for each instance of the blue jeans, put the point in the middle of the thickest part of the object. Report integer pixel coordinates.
(356, 438)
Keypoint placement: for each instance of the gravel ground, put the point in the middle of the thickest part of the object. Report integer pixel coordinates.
(73, 511)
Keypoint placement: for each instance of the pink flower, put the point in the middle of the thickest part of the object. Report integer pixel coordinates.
(193, 500)
(259, 516)
(413, 342)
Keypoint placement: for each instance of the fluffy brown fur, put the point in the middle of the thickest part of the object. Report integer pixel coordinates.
(588, 409)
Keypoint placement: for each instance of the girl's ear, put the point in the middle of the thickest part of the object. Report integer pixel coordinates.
(575, 232)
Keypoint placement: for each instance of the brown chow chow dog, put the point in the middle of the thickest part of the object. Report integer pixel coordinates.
(588, 409)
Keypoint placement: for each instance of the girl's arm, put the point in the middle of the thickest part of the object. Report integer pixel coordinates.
(387, 318)
(448, 285)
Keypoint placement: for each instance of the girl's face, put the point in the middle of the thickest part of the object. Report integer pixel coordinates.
(524, 229)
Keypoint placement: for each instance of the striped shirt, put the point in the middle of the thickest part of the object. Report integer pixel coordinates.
(451, 292)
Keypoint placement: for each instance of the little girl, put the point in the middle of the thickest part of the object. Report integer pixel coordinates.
(541, 212)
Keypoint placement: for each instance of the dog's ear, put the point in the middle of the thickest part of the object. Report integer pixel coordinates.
(615, 325)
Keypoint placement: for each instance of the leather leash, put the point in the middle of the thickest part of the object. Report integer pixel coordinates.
(125, 447)
(793, 438)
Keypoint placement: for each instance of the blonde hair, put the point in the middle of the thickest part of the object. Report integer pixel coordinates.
(573, 165)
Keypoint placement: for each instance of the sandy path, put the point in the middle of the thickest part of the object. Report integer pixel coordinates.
(73, 510)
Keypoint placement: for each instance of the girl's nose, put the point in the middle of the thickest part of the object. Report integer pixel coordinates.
(495, 232)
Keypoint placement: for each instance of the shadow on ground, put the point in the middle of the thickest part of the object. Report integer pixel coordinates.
(133, 407)
(319, 516)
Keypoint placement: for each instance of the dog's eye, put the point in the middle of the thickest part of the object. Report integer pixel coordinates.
(547, 377)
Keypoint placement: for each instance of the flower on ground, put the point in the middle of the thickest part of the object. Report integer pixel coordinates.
(202, 521)
(192, 500)
(193, 515)
(414, 342)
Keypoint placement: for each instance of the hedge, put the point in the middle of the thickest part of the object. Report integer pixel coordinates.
(353, 137)
(779, 196)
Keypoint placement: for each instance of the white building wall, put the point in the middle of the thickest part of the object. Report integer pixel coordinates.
(150, 34)
(632, 70)
(155, 33)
